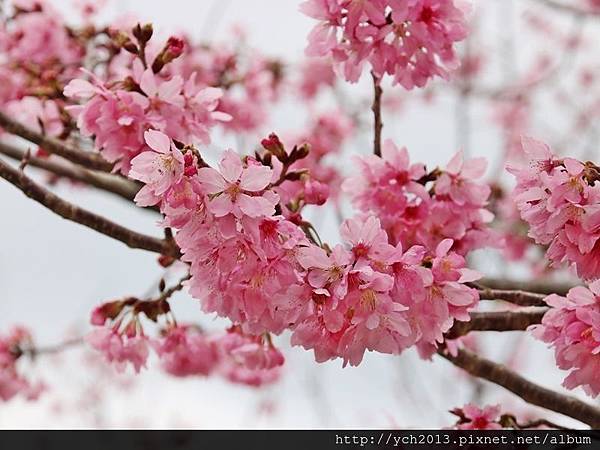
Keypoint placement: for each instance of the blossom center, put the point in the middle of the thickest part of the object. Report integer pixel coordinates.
(369, 299)
(360, 250)
(233, 191)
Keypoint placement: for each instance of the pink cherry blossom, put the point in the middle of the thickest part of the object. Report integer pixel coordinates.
(572, 328)
(396, 192)
(118, 349)
(249, 360)
(411, 41)
(185, 351)
(475, 418)
(236, 189)
(160, 169)
(559, 200)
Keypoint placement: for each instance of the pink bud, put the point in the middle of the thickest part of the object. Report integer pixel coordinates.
(98, 317)
(315, 192)
(175, 46)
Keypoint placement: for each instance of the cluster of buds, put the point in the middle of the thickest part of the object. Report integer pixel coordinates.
(309, 190)
(172, 50)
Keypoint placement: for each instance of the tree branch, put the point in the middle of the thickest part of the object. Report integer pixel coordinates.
(91, 220)
(497, 321)
(53, 349)
(90, 160)
(109, 183)
(376, 108)
(521, 298)
(528, 391)
(539, 287)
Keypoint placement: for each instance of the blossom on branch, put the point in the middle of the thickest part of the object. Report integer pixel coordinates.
(560, 200)
(410, 40)
(572, 328)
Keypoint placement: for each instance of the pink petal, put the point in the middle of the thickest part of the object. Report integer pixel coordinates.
(148, 83)
(255, 206)
(221, 205)
(255, 178)
(231, 166)
(211, 180)
(157, 141)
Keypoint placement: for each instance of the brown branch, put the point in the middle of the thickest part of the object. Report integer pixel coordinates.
(497, 321)
(376, 108)
(541, 423)
(91, 220)
(521, 298)
(540, 287)
(51, 350)
(89, 160)
(168, 293)
(109, 183)
(527, 390)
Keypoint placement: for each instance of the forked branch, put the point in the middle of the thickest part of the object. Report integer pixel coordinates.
(89, 219)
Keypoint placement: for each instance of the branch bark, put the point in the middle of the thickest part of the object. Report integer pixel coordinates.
(539, 287)
(106, 182)
(527, 390)
(521, 298)
(89, 160)
(497, 321)
(89, 219)
(376, 108)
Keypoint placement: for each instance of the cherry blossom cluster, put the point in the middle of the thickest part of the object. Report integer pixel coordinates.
(572, 328)
(269, 272)
(183, 350)
(420, 208)
(118, 115)
(559, 199)
(251, 82)
(40, 54)
(325, 135)
(399, 278)
(471, 417)
(12, 382)
(370, 295)
(410, 40)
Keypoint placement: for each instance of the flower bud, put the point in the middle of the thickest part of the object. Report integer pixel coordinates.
(122, 40)
(273, 145)
(315, 192)
(143, 33)
(173, 49)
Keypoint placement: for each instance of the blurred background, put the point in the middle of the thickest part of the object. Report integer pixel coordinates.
(530, 69)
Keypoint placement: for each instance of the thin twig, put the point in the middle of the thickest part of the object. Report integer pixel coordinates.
(527, 390)
(109, 183)
(541, 423)
(497, 321)
(87, 159)
(168, 293)
(89, 219)
(376, 108)
(53, 349)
